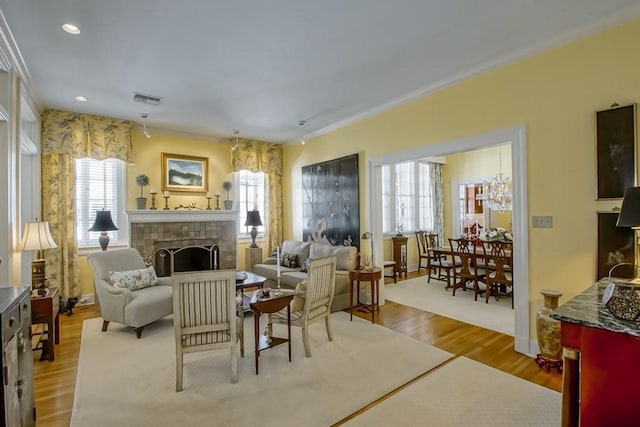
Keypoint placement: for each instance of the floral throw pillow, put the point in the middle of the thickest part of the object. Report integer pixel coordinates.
(289, 260)
(305, 265)
(134, 279)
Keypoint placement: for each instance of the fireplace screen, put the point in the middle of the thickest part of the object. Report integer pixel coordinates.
(190, 258)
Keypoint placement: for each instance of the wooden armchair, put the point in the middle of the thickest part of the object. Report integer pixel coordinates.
(471, 268)
(500, 273)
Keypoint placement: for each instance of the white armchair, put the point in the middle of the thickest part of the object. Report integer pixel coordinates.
(316, 303)
(136, 308)
(206, 316)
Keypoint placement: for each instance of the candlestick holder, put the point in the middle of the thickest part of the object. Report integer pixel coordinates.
(153, 202)
(166, 202)
(217, 202)
(278, 289)
(208, 203)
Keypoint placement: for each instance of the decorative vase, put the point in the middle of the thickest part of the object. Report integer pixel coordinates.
(548, 330)
(142, 202)
(228, 204)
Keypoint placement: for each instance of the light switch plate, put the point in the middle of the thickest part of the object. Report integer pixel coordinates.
(542, 221)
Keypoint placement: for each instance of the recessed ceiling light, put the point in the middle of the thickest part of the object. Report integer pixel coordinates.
(71, 29)
(81, 99)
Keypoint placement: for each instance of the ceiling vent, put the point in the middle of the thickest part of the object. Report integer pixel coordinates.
(146, 99)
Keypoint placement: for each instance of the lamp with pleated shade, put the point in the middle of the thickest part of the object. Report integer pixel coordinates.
(37, 237)
(103, 223)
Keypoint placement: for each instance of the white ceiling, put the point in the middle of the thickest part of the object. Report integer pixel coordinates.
(263, 66)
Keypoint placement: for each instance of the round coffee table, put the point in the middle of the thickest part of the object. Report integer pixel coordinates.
(252, 281)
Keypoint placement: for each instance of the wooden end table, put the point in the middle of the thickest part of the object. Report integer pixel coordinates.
(251, 281)
(46, 309)
(271, 304)
(372, 276)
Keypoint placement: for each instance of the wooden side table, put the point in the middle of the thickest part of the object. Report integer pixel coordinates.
(46, 309)
(372, 276)
(269, 305)
(252, 256)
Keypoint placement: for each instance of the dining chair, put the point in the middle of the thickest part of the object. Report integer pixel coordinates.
(423, 254)
(206, 316)
(311, 303)
(499, 256)
(471, 269)
(437, 262)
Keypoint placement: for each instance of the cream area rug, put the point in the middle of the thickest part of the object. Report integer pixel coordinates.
(432, 297)
(124, 381)
(466, 393)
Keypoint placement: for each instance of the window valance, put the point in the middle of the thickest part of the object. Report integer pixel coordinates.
(84, 135)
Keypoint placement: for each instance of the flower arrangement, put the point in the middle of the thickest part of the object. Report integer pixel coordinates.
(142, 180)
(496, 233)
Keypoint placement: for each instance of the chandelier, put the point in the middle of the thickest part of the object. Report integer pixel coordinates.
(497, 194)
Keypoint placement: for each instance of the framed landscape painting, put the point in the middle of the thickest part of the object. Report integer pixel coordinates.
(616, 153)
(184, 173)
(615, 245)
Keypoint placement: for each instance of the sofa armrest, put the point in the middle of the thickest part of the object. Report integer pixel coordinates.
(165, 281)
(270, 260)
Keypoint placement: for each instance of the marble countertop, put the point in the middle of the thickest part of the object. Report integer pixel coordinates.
(587, 309)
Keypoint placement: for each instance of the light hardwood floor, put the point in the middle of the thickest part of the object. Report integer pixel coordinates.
(54, 382)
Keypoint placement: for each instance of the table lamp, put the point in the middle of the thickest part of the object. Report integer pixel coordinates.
(630, 215)
(103, 223)
(253, 220)
(37, 237)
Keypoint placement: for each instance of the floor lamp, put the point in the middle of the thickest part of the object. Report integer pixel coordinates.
(37, 237)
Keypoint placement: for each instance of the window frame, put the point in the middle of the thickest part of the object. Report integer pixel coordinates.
(390, 194)
(242, 230)
(120, 219)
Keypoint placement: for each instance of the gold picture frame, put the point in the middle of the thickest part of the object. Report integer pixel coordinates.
(185, 173)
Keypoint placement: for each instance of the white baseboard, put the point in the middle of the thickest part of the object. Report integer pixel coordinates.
(88, 299)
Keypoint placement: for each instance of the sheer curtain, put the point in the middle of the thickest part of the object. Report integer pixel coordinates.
(437, 197)
(265, 157)
(65, 137)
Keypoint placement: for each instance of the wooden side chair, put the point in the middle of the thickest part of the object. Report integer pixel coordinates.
(206, 316)
(499, 257)
(423, 254)
(471, 269)
(439, 266)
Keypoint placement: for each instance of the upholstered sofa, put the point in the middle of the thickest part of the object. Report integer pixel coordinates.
(294, 255)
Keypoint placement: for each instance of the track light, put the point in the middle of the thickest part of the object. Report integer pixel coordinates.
(144, 125)
(235, 143)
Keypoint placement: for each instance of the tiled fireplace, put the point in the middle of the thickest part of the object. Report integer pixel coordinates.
(150, 231)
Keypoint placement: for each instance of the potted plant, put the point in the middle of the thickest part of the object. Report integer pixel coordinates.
(227, 186)
(142, 180)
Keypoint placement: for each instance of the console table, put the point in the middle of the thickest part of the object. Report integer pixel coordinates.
(601, 353)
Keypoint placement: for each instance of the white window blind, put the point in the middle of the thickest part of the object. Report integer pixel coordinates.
(425, 198)
(250, 194)
(99, 185)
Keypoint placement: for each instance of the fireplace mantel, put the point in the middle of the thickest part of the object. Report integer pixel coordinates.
(152, 216)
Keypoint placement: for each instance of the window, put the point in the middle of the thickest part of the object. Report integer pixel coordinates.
(407, 197)
(250, 193)
(99, 185)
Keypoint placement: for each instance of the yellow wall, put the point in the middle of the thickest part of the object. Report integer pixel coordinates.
(555, 94)
(148, 161)
(478, 165)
